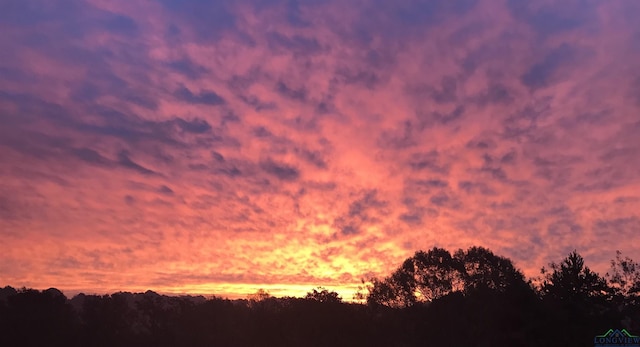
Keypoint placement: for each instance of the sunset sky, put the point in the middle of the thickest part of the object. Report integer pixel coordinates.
(219, 147)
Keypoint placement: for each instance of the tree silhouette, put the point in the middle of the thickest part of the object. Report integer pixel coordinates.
(430, 275)
(577, 299)
(572, 281)
(485, 270)
(421, 278)
(34, 318)
(259, 295)
(108, 320)
(324, 296)
(470, 298)
(436, 273)
(624, 277)
(389, 292)
(624, 280)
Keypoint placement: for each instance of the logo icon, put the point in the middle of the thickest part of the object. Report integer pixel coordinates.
(616, 338)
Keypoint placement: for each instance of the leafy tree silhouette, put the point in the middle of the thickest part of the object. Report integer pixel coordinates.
(259, 295)
(34, 318)
(469, 298)
(323, 295)
(484, 270)
(109, 320)
(458, 300)
(430, 275)
(423, 277)
(437, 273)
(624, 279)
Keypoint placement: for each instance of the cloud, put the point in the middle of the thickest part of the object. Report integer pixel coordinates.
(362, 212)
(262, 132)
(313, 157)
(206, 97)
(126, 162)
(476, 188)
(628, 224)
(122, 25)
(281, 171)
(439, 199)
(196, 126)
(400, 138)
(90, 156)
(427, 161)
(188, 68)
(554, 18)
(165, 190)
(540, 75)
(447, 92)
(432, 183)
(295, 94)
(448, 117)
(254, 139)
(296, 44)
(411, 219)
(207, 19)
(498, 94)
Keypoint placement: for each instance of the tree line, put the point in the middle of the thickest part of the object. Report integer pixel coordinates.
(470, 297)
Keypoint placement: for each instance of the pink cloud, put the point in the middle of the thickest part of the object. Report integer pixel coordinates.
(286, 147)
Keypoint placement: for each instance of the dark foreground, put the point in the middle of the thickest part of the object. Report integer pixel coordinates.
(47, 318)
(478, 299)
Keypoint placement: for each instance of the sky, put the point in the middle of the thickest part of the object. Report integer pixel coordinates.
(219, 147)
